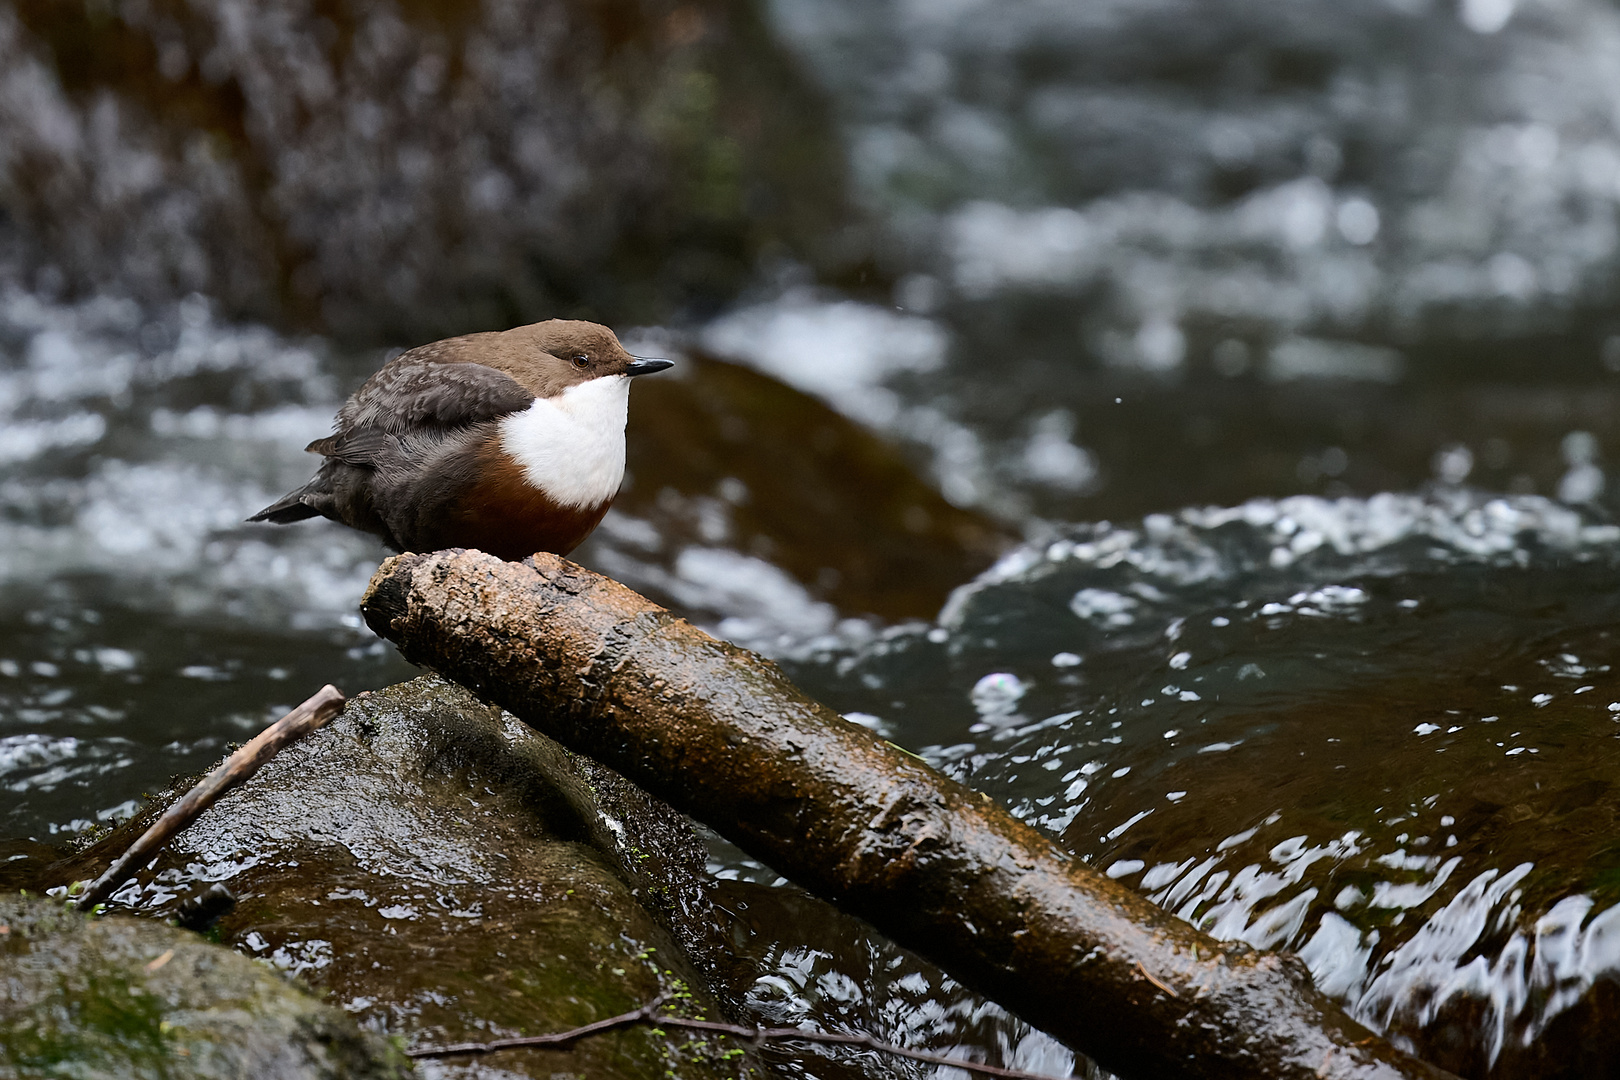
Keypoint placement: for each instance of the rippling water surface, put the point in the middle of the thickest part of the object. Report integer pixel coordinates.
(1381, 733)
(1274, 340)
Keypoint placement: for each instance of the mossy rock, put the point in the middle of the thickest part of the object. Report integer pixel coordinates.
(126, 998)
(445, 874)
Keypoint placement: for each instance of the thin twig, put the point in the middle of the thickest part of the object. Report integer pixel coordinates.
(560, 1038)
(648, 1014)
(1148, 975)
(314, 713)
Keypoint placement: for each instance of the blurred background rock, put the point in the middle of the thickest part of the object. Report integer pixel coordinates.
(388, 172)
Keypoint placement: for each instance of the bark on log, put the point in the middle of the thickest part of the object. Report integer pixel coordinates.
(724, 736)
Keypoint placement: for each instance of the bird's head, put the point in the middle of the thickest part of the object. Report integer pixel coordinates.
(561, 353)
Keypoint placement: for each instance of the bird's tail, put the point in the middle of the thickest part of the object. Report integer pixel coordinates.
(289, 508)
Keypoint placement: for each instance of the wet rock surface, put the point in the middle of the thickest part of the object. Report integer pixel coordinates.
(443, 874)
(127, 999)
(731, 467)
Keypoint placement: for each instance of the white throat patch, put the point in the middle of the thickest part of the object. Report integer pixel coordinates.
(572, 446)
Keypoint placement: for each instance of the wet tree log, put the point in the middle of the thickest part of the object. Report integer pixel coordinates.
(724, 736)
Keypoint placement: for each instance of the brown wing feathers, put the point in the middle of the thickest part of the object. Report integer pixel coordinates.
(411, 393)
(425, 392)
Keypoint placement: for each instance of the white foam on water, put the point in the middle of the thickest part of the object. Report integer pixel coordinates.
(40, 762)
(1195, 545)
(22, 440)
(1023, 149)
(33, 751)
(852, 355)
(839, 350)
(1521, 985)
(159, 507)
(1290, 566)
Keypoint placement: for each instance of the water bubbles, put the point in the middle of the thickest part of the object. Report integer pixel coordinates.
(1584, 481)
(1481, 214)
(111, 659)
(995, 696)
(867, 720)
(838, 350)
(1160, 346)
(1320, 358)
(1512, 276)
(22, 752)
(1295, 213)
(1331, 598)
(1358, 221)
(1486, 16)
(1453, 463)
(119, 813)
(994, 246)
(1105, 607)
(22, 440)
(1050, 457)
(1292, 709)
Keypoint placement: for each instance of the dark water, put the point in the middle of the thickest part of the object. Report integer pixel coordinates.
(1280, 336)
(1393, 753)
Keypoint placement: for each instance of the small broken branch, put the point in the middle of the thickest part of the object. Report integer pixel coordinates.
(314, 713)
(648, 1014)
(724, 736)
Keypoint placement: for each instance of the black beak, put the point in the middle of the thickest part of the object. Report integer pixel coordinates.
(647, 367)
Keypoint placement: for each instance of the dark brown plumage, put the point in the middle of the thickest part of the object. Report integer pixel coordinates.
(509, 442)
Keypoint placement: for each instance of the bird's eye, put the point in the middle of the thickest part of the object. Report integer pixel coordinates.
(581, 361)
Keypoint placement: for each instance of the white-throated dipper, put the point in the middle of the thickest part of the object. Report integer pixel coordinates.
(509, 442)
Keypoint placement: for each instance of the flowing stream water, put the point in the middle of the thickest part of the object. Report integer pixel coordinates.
(1279, 336)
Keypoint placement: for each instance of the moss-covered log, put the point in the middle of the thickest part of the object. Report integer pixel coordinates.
(944, 870)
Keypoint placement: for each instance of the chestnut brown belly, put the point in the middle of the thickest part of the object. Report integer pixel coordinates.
(504, 515)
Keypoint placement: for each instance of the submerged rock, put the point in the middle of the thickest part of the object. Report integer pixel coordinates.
(121, 998)
(445, 874)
